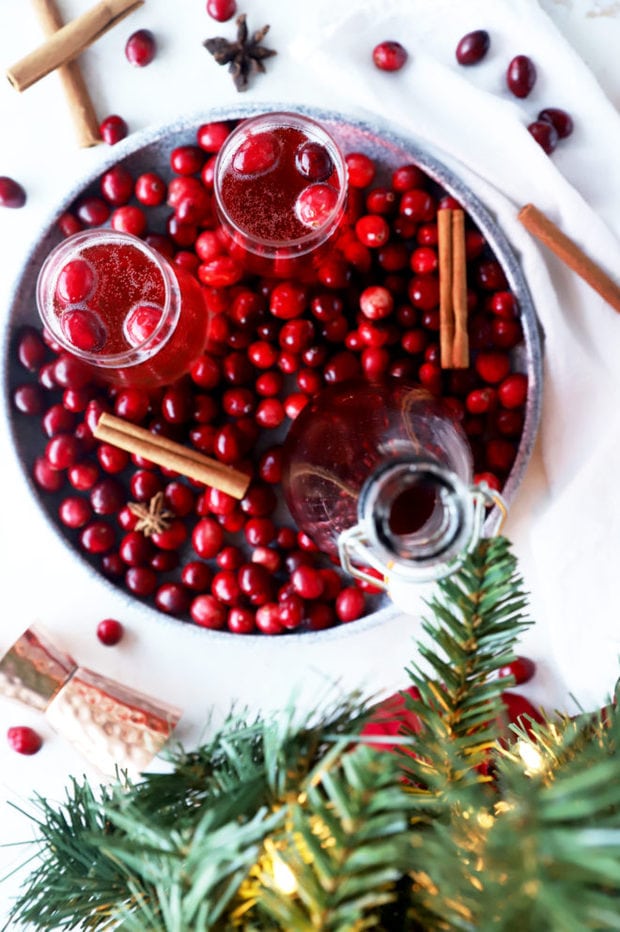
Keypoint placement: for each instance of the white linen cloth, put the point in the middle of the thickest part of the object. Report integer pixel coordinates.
(565, 523)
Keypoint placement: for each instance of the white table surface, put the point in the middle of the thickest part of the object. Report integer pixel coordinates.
(39, 583)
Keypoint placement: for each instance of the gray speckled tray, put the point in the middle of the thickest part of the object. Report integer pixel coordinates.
(149, 151)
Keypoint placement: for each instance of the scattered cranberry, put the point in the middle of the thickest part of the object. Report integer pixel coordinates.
(113, 129)
(221, 10)
(11, 193)
(109, 631)
(256, 154)
(140, 48)
(473, 47)
(545, 135)
(389, 55)
(521, 75)
(315, 205)
(561, 121)
(24, 740)
(314, 162)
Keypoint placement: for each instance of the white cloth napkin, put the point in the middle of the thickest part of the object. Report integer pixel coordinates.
(565, 523)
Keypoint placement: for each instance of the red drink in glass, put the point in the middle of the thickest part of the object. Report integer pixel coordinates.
(115, 303)
(280, 190)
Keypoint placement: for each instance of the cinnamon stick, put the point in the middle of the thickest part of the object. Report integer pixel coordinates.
(460, 343)
(171, 455)
(69, 41)
(446, 308)
(80, 105)
(539, 225)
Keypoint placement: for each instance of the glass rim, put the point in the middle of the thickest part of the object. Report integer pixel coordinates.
(133, 355)
(302, 244)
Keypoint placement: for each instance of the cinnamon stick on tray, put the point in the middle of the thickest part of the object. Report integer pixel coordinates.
(69, 42)
(171, 455)
(74, 86)
(453, 338)
(570, 253)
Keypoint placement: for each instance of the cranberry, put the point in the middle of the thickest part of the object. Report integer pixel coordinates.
(512, 391)
(418, 205)
(69, 224)
(135, 549)
(46, 476)
(141, 580)
(545, 135)
(211, 136)
(197, 576)
(361, 169)
(350, 604)
(179, 498)
(150, 189)
(313, 161)
(187, 160)
(307, 582)
(74, 512)
(492, 366)
(561, 121)
(112, 459)
(207, 538)
(11, 193)
(473, 47)
(376, 302)
(31, 350)
(257, 154)
(372, 230)
(28, 399)
(268, 618)
(110, 631)
(117, 185)
(389, 55)
(255, 583)
(521, 668)
(129, 219)
(259, 532)
(172, 598)
(113, 129)
(221, 10)
(93, 211)
(320, 616)
(341, 367)
(315, 205)
(62, 451)
(288, 300)
(172, 537)
(521, 75)
(82, 476)
(220, 271)
(83, 329)
(24, 740)
(97, 537)
(140, 48)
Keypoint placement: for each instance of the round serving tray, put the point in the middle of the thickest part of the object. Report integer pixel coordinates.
(149, 151)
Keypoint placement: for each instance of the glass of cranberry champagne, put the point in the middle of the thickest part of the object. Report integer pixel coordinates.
(280, 189)
(119, 306)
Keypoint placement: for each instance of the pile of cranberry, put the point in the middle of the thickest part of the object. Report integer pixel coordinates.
(372, 310)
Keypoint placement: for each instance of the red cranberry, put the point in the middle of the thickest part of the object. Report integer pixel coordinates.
(24, 740)
(31, 350)
(197, 576)
(112, 459)
(97, 537)
(512, 391)
(561, 121)
(28, 399)
(69, 224)
(11, 193)
(307, 582)
(110, 631)
(135, 549)
(268, 618)
(473, 47)
(207, 538)
(117, 186)
(221, 10)
(172, 598)
(389, 55)
(313, 161)
(46, 476)
(83, 329)
(350, 604)
(113, 129)
(372, 230)
(172, 537)
(150, 189)
(187, 160)
(140, 48)
(492, 367)
(521, 668)
(93, 211)
(211, 136)
(521, 75)
(141, 581)
(179, 498)
(320, 616)
(361, 169)
(62, 451)
(129, 219)
(74, 512)
(418, 205)
(545, 135)
(376, 302)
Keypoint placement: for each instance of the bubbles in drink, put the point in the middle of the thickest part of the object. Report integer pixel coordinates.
(315, 205)
(76, 281)
(257, 154)
(313, 161)
(83, 328)
(141, 322)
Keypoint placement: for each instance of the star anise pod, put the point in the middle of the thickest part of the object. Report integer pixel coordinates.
(152, 518)
(245, 56)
